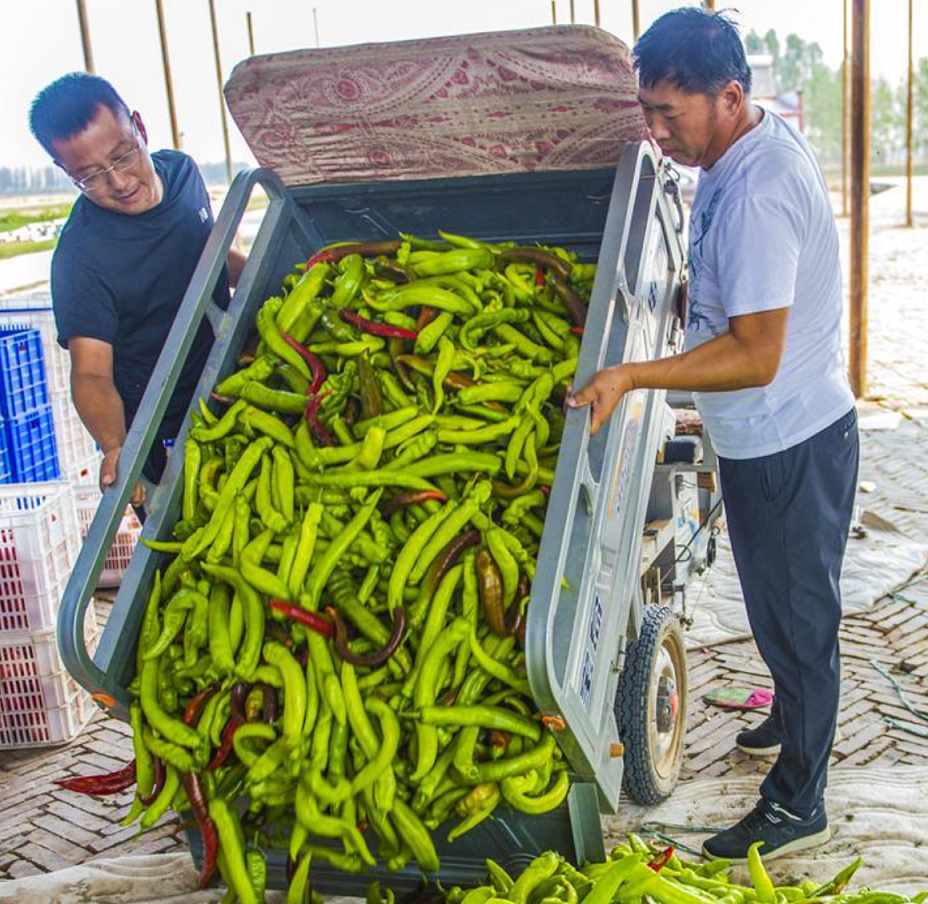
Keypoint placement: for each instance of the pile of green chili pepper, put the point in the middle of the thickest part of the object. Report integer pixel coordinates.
(336, 635)
(637, 872)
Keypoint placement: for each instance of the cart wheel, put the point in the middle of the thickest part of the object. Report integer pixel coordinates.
(650, 707)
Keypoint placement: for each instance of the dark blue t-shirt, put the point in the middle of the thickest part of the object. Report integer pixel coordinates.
(121, 279)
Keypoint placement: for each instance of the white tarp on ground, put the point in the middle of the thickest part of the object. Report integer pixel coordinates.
(875, 564)
(879, 813)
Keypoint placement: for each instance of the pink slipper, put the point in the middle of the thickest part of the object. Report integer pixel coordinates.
(740, 697)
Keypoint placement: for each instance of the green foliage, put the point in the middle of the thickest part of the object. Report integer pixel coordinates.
(799, 66)
(15, 219)
(15, 249)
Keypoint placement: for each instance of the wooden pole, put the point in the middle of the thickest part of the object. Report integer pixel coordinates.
(636, 19)
(573, 17)
(251, 34)
(710, 4)
(168, 82)
(316, 25)
(860, 191)
(596, 13)
(554, 12)
(908, 130)
(845, 112)
(85, 36)
(222, 99)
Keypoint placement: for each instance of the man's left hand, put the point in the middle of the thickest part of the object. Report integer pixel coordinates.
(603, 393)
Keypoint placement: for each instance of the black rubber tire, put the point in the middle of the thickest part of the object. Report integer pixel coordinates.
(645, 780)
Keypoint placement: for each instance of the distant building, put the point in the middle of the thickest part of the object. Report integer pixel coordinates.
(764, 90)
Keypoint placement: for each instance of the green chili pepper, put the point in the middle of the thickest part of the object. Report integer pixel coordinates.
(480, 436)
(305, 291)
(223, 427)
(449, 528)
(229, 829)
(164, 800)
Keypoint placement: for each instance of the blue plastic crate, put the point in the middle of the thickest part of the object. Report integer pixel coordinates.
(23, 387)
(6, 474)
(33, 452)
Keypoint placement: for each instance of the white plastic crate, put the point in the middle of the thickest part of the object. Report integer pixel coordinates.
(87, 498)
(39, 542)
(57, 359)
(83, 473)
(40, 703)
(76, 447)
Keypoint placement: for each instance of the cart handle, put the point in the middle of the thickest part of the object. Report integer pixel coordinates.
(92, 671)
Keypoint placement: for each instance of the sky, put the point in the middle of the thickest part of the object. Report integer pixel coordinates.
(40, 40)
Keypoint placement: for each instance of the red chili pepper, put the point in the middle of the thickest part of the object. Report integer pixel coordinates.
(316, 367)
(371, 660)
(160, 775)
(577, 330)
(237, 718)
(413, 497)
(195, 706)
(319, 430)
(194, 790)
(365, 249)
(376, 329)
(661, 860)
(426, 316)
(539, 277)
(100, 785)
(312, 620)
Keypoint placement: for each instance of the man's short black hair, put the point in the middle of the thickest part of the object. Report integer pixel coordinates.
(694, 49)
(66, 107)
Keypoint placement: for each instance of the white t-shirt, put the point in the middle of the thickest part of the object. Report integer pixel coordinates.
(762, 236)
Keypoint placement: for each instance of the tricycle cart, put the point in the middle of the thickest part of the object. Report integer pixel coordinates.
(533, 136)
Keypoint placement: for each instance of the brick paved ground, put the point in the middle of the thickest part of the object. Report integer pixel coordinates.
(42, 827)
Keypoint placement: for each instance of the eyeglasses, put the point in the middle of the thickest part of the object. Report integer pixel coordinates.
(97, 180)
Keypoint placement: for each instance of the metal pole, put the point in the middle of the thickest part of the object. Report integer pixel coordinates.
(596, 13)
(222, 100)
(168, 83)
(85, 35)
(860, 191)
(636, 19)
(844, 118)
(573, 18)
(316, 25)
(908, 130)
(554, 12)
(251, 34)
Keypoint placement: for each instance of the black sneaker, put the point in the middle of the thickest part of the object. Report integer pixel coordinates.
(762, 740)
(781, 832)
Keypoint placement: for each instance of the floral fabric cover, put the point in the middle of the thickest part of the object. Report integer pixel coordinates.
(560, 98)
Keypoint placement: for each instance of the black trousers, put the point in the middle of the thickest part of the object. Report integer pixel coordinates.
(788, 517)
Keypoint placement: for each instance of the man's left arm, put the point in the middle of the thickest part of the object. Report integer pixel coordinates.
(235, 263)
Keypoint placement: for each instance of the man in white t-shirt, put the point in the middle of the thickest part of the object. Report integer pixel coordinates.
(764, 362)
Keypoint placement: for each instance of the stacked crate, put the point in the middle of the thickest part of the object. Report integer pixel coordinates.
(78, 454)
(40, 704)
(31, 452)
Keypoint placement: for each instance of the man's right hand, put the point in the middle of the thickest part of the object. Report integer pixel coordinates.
(108, 476)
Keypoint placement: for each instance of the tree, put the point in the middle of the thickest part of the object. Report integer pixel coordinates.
(773, 45)
(920, 109)
(754, 43)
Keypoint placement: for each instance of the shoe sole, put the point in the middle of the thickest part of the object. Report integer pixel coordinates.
(791, 847)
(774, 749)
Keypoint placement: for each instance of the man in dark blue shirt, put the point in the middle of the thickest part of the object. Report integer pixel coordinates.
(123, 261)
